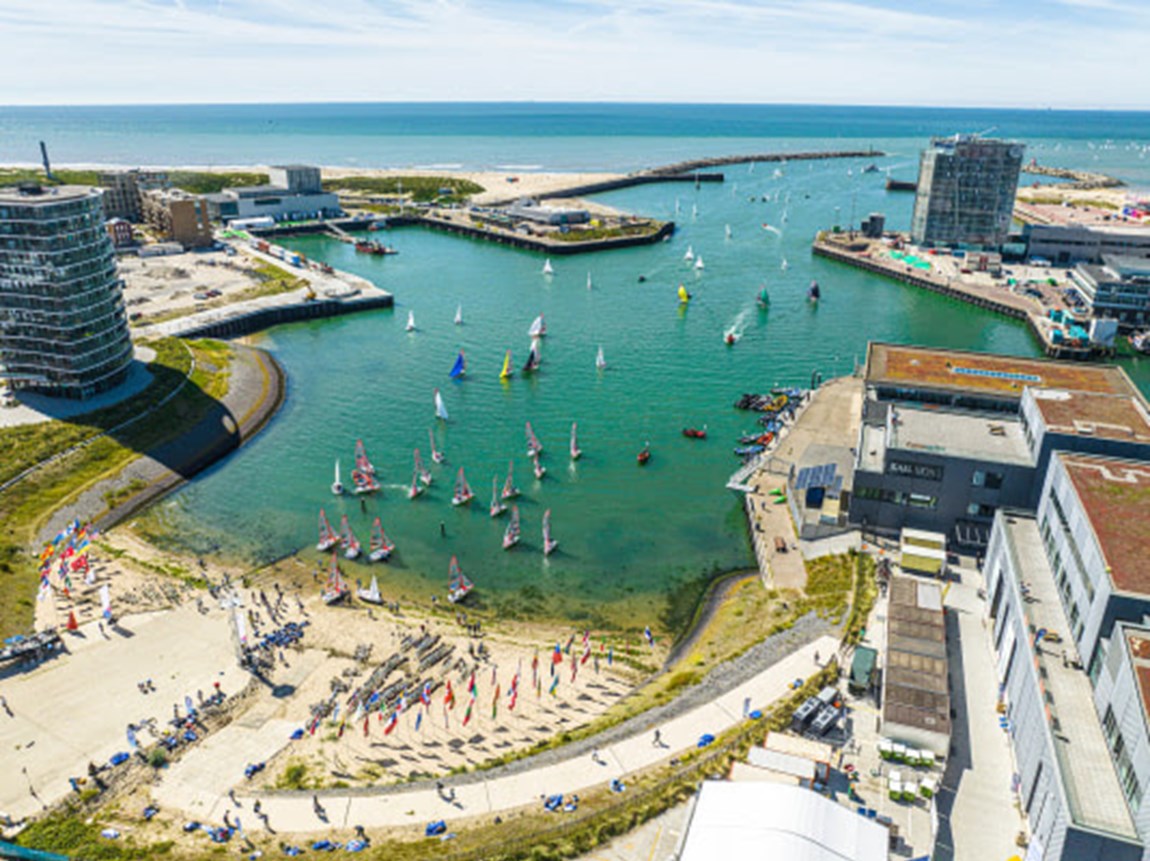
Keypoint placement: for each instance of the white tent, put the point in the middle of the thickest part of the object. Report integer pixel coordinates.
(750, 821)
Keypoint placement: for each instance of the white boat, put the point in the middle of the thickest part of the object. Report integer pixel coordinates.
(576, 452)
(436, 456)
(347, 539)
(410, 327)
(416, 488)
(511, 533)
(380, 548)
(337, 485)
(327, 536)
(540, 470)
(510, 491)
(440, 406)
(549, 543)
(463, 493)
(548, 269)
(784, 265)
(728, 231)
(588, 280)
(371, 594)
(335, 590)
(421, 470)
(699, 263)
(690, 255)
(538, 327)
(459, 316)
(600, 361)
(534, 447)
(497, 506)
(458, 586)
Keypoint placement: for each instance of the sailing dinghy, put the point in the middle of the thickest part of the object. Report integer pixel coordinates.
(533, 359)
(410, 327)
(337, 485)
(327, 536)
(497, 505)
(511, 533)
(459, 315)
(440, 407)
(416, 488)
(549, 543)
(510, 491)
(506, 372)
(381, 547)
(538, 327)
(463, 493)
(371, 594)
(576, 452)
(436, 456)
(690, 255)
(421, 470)
(534, 447)
(460, 366)
(458, 586)
(699, 266)
(540, 470)
(335, 590)
(347, 539)
(600, 360)
(548, 269)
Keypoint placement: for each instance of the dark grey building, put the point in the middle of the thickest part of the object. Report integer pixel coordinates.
(63, 330)
(1118, 289)
(966, 188)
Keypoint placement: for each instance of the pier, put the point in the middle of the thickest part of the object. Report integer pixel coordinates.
(1079, 179)
(1000, 300)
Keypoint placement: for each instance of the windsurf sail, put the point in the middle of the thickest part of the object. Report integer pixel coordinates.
(511, 533)
(538, 327)
(506, 372)
(549, 543)
(440, 406)
(460, 366)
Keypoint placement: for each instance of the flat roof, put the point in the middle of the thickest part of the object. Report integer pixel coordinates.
(986, 373)
(735, 819)
(1137, 639)
(958, 434)
(1085, 768)
(47, 194)
(1116, 417)
(915, 679)
(1115, 495)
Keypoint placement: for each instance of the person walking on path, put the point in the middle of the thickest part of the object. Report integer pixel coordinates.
(658, 740)
(4, 705)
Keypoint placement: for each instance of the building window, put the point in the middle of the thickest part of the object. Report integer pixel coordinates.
(989, 480)
(976, 509)
(920, 500)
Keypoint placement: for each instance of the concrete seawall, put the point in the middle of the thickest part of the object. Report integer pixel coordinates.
(263, 318)
(528, 243)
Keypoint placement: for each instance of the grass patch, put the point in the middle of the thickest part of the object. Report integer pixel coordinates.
(26, 506)
(591, 234)
(295, 776)
(67, 833)
(120, 495)
(421, 189)
(194, 181)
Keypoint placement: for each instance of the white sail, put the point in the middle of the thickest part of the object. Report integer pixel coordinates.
(440, 407)
(588, 280)
(538, 327)
(728, 231)
(459, 316)
(699, 262)
(337, 485)
(410, 321)
(548, 269)
(690, 255)
(600, 361)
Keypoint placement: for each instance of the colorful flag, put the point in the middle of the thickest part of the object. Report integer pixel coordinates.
(535, 668)
(570, 643)
(650, 637)
(554, 685)
(495, 704)
(366, 725)
(610, 656)
(586, 653)
(418, 720)
(449, 697)
(473, 688)
(467, 714)
(391, 722)
(425, 694)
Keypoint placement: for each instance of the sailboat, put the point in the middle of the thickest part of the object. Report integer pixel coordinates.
(327, 536)
(510, 491)
(364, 481)
(690, 255)
(440, 406)
(511, 533)
(540, 470)
(416, 488)
(813, 292)
(458, 586)
(421, 470)
(337, 485)
(361, 460)
(410, 327)
(459, 315)
(460, 366)
(380, 548)
(335, 590)
(497, 506)
(534, 360)
(538, 327)
(506, 372)
(764, 298)
(534, 447)
(463, 494)
(436, 456)
(371, 594)
(548, 269)
(699, 263)
(576, 452)
(684, 296)
(347, 539)
(728, 231)
(588, 280)
(784, 265)
(549, 543)
(600, 361)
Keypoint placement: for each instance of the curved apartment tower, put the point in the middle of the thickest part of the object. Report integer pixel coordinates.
(63, 330)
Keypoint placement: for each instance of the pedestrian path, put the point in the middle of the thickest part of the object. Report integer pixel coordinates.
(398, 806)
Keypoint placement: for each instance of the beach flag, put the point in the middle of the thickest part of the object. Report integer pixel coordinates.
(391, 722)
(586, 653)
(45, 588)
(339, 734)
(514, 693)
(554, 685)
(650, 637)
(449, 697)
(467, 714)
(366, 725)
(473, 688)
(493, 671)
(610, 656)
(418, 720)
(425, 694)
(570, 643)
(538, 688)
(106, 601)
(535, 668)
(495, 704)
(557, 655)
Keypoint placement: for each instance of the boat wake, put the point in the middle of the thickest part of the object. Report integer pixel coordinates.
(734, 332)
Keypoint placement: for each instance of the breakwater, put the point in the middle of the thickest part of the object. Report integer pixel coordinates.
(689, 167)
(556, 247)
(263, 318)
(1079, 179)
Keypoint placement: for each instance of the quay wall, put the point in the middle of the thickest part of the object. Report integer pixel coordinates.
(529, 243)
(1056, 351)
(263, 318)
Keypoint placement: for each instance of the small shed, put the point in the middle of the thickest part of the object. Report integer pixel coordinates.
(863, 667)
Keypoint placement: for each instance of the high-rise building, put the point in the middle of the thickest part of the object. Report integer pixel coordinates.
(124, 189)
(966, 188)
(178, 217)
(63, 330)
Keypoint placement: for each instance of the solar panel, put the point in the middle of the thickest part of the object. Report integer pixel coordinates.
(803, 479)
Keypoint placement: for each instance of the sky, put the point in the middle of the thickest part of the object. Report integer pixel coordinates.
(1018, 53)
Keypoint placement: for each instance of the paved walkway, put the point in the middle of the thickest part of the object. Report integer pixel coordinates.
(418, 805)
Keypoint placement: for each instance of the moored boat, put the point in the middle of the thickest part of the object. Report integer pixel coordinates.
(458, 586)
(327, 536)
(334, 590)
(463, 493)
(381, 547)
(371, 594)
(695, 433)
(347, 539)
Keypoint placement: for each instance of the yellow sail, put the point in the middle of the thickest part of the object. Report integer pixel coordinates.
(506, 372)
(684, 296)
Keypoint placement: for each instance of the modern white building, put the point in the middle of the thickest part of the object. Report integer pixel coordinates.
(293, 193)
(763, 821)
(1068, 591)
(63, 330)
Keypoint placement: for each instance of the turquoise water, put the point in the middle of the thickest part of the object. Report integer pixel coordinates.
(626, 534)
(623, 531)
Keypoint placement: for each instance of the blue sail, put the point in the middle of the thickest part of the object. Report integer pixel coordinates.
(459, 367)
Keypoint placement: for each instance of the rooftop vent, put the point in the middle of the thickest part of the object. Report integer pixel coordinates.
(30, 189)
